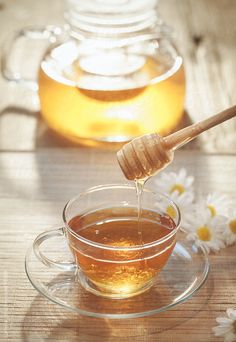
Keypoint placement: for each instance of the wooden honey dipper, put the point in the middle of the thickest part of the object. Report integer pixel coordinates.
(147, 154)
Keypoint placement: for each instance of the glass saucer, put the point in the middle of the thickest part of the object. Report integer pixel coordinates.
(185, 272)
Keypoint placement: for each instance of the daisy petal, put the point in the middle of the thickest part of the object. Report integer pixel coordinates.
(223, 320)
(231, 313)
(221, 330)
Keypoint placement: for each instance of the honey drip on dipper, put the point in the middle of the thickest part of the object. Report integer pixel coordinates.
(144, 156)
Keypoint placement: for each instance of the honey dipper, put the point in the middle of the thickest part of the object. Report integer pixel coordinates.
(145, 155)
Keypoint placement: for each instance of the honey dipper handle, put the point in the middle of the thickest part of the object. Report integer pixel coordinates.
(183, 136)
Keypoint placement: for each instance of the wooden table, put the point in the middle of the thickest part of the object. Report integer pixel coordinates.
(39, 172)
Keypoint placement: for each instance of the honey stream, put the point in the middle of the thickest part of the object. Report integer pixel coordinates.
(139, 185)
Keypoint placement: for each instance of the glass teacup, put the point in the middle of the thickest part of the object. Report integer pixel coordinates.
(116, 254)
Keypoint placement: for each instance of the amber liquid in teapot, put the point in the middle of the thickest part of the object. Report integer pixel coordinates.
(98, 99)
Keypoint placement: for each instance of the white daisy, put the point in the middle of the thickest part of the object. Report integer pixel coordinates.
(218, 204)
(171, 182)
(229, 231)
(185, 205)
(227, 326)
(206, 230)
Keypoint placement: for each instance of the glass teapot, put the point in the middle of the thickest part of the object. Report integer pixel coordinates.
(111, 74)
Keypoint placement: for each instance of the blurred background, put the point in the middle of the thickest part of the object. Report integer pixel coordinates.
(204, 33)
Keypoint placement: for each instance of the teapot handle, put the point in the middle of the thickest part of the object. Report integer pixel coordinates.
(12, 70)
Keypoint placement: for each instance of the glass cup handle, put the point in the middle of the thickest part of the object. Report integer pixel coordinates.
(59, 232)
(49, 34)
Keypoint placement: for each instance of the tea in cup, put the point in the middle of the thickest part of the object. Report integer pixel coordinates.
(117, 253)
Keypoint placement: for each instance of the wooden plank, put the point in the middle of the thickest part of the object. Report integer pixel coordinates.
(34, 188)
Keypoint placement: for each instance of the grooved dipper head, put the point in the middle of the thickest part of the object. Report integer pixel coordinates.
(144, 156)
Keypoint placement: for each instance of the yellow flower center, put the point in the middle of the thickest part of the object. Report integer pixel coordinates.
(204, 233)
(171, 211)
(212, 210)
(178, 187)
(232, 226)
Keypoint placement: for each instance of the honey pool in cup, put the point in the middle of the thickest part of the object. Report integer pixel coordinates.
(116, 255)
